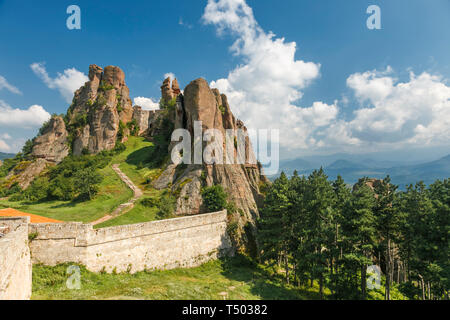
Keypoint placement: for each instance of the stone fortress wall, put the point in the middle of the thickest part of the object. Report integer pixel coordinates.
(180, 242)
(15, 262)
(166, 244)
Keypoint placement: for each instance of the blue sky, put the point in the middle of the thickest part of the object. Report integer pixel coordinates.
(350, 67)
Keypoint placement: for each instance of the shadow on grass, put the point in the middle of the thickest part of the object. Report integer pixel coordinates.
(141, 156)
(70, 204)
(262, 282)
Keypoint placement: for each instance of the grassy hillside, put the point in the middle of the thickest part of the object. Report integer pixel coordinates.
(239, 277)
(112, 193)
(134, 162)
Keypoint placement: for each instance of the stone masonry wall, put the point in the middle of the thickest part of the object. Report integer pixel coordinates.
(15, 262)
(181, 242)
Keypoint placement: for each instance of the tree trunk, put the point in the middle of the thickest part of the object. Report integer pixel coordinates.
(321, 286)
(422, 284)
(363, 281)
(286, 265)
(387, 295)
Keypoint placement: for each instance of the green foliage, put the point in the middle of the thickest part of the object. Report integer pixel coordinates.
(240, 277)
(14, 189)
(222, 109)
(9, 164)
(166, 206)
(44, 128)
(105, 86)
(38, 190)
(133, 127)
(75, 178)
(168, 105)
(214, 198)
(80, 121)
(121, 131)
(150, 202)
(119, 147)
(86, 183)
(320, 231)
(32, 236)
(27, 148)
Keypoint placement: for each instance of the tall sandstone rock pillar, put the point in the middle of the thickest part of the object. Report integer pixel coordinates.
(98, 109)
(240, 181)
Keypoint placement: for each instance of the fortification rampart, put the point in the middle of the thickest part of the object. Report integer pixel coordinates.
(181, 242)
(15, 263)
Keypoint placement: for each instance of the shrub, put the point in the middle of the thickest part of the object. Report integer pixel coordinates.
(150, 202)
(38, 190)
(120, 147)
(214, 198)
(86, 182)
(166, 206)
(133, 127)
(32, 236)
(105, 86)
(15, 189)
(121, 131)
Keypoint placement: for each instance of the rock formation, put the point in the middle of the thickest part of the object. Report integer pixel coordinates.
(49, 148)
(96, 120)
(241, 181)
(52, 144)
(170, 90)
(99, 117)
(99, 111)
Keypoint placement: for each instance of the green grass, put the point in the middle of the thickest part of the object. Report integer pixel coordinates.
(135, 159)
(112, 193)
(138, 214)
(239, 277)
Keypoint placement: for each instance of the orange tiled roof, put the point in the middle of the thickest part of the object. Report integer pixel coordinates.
(33, 218)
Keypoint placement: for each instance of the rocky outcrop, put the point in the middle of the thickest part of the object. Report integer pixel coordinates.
(98, 109)
(50, 147)
(241, 181)
(142, 118)
(170, 90)
(96, 120)
(24, 173)
(52, 144)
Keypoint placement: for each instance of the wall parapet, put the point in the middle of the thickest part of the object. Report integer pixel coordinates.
(179, 242)
(15, 263)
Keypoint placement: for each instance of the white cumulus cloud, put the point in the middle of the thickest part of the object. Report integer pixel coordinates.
(4, 84)
(146, 103)
(4, 147)
(33, 117)
(263, 91)
(66, 83)
(170, 75)
(416, 111)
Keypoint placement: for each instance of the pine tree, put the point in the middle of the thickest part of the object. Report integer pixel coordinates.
(270, 225)
(387, 222)
(319, 199)
(341, 195)
(359, 229)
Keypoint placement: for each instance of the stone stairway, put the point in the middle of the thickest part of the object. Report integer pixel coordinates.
(124, 207)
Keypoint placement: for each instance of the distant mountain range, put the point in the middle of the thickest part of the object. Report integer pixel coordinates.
(352, 168)
(6, 155)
